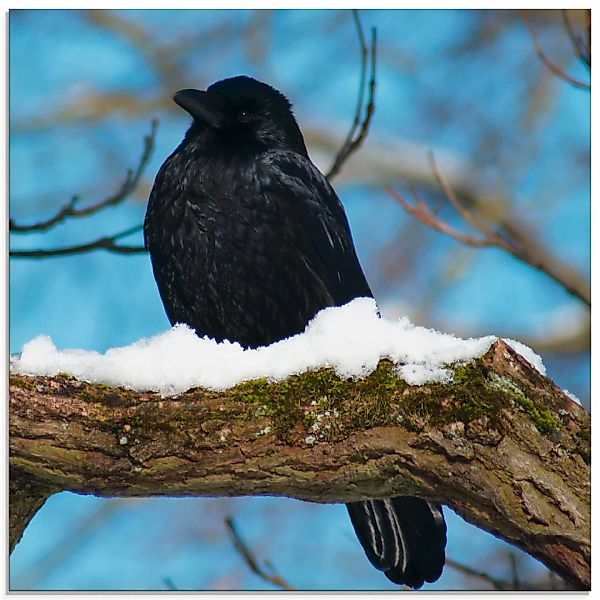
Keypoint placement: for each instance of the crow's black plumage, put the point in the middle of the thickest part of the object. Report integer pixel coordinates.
(248, 242)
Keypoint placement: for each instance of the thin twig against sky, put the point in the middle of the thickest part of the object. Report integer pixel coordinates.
(252, 562)
(103, 243)
(489, 238)
(354, 140)
(70, 210)
(550, 64)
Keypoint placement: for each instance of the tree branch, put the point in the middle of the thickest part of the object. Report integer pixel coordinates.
(497, 584)
(353, 140)
(530, 253)
(582, 47)
(103, 243)
(551, 65)
(251, 560)
(27, 496)
(70, 209)
(503, 446)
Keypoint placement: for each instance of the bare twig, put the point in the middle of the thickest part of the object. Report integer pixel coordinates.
(353, 139)
(490, 237)
(516, 582)
(552, 66)
(103, 243)
(169, 584)
(549, 582)
(71, 211)
(497, 584)
(251, 561)
(582, 48)
(458, 205)
(424, 214)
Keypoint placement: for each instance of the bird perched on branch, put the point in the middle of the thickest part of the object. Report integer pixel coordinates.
(248, 241)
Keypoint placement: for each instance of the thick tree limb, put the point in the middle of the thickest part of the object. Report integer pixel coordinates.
(27, 496)
(503, 446)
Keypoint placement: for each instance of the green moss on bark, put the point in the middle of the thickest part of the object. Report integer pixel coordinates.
(21, 381)
(582, 442)
(325, 406)
(541, 416)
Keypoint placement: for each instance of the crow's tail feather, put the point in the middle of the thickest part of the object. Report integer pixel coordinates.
(405, 537)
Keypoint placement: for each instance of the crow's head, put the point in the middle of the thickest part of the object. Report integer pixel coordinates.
(242, 112)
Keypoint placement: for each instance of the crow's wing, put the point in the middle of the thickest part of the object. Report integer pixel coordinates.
(317, 221)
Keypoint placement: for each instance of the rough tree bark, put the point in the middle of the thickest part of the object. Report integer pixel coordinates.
(502, 445)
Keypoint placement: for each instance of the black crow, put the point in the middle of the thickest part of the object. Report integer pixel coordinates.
(248, 242)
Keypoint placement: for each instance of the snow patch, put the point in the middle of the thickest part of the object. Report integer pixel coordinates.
(572, 396)
(528, 354)
(350, 339)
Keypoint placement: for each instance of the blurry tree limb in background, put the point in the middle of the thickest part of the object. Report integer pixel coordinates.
(581, 43)
(252, 562)
(550, 582)
(519, 240)
(583, 51)
(503, 446)
(69, 544)
(521, 247)
(378, 163)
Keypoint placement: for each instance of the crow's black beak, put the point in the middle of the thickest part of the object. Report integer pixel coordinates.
(201, 105)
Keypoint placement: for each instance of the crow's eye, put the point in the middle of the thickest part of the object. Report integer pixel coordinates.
(243, 116)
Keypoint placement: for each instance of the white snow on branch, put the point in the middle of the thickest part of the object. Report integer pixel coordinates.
(350, 339)
(572, 396)
(528, 354)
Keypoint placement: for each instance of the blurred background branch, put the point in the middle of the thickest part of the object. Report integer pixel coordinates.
(252, 562)
(584, 54)
(581, 42)
(521, 246)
